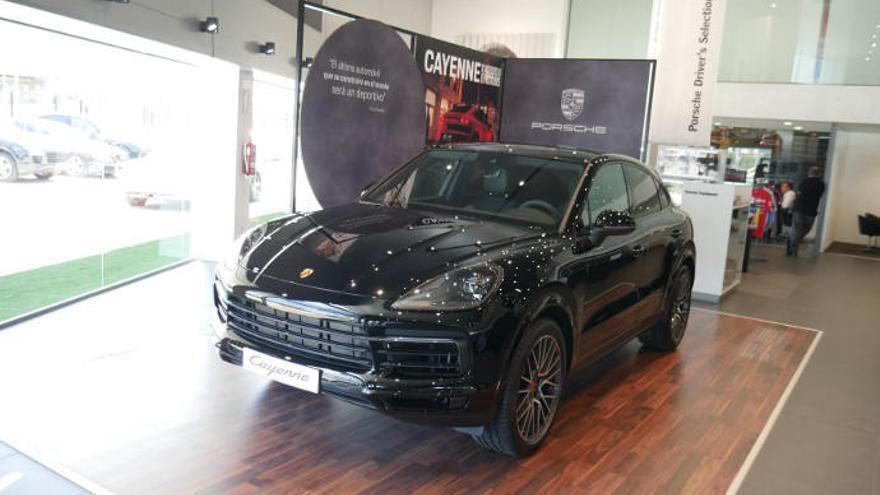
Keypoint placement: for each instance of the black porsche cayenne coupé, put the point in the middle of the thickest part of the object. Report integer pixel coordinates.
(464, 287)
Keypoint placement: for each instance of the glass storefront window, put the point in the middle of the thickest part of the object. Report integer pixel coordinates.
(272, 132)
(801, 41)
(101, 151)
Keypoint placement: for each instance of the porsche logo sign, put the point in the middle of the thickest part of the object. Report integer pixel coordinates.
(306, 273)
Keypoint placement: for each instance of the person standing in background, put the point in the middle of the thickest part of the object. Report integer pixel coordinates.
(805, 209)
(785, 207)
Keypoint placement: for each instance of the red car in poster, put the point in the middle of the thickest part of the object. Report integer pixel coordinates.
(464, 123)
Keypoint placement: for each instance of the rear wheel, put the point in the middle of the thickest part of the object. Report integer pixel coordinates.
(669, 332)
(8, 167)
(531, 395)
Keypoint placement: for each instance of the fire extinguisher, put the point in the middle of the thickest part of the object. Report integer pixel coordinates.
(249, 158)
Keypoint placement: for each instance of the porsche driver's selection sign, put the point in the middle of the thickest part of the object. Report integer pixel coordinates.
(295, 375)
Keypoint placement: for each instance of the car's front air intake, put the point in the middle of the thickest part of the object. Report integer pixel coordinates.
(323, 341)
(419, 358)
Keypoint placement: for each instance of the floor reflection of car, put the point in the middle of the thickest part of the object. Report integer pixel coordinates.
(91, 130)
(466, 123)
(22, 154)
(83, 156)
(464, 288)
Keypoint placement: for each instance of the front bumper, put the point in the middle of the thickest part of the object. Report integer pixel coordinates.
(35, 165)
(457, 402)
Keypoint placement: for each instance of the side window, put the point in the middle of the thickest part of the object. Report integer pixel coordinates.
(607, 192)
(664, 196)
(642, 191)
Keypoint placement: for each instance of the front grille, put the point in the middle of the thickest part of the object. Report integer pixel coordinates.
(420, 358)
(327, 342)
(55, 157)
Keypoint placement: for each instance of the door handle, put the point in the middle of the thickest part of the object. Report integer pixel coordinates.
(637, 250)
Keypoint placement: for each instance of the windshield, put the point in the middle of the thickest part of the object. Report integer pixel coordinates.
(500, 185)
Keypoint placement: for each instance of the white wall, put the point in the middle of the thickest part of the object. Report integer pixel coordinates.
(602, 29)
(413, 15)
(855, 185)
(453, 18)
(243, 24)
(810, 102)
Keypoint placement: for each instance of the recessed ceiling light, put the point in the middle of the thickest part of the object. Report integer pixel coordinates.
(874, 45)
(718, 123)
(798, 128)
(772, 5)
(867, 59)
(786, 123)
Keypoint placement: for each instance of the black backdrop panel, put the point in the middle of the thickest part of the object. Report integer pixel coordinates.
(362, 112)
(593, 104)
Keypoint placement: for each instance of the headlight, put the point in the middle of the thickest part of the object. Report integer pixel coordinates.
(19, 151)
(244, 244)
(463, 288)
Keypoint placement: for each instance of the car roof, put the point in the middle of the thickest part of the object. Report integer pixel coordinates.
(572, 154)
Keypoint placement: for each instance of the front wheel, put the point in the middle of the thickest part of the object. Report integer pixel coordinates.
(76, 166)
(669, 332)
(532, 393)
(8, 167)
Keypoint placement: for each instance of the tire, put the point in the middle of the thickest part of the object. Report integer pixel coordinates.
(76, 166)
(44, 176)
(669, 331)
(8, 167)
(512, 432)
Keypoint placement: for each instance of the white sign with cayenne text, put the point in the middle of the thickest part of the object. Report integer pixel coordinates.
(288, 373)
(687, 49)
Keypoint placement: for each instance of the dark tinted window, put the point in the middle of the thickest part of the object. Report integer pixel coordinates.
(607, 192)
(532, 189)
(642, 191)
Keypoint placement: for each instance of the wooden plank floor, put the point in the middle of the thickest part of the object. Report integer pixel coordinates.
(168, 417)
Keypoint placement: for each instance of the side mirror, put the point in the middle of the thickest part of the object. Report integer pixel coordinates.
(612, 222)
(367, 188)
(609, 222)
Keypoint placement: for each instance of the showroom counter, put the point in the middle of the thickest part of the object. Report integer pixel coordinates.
(720, 213)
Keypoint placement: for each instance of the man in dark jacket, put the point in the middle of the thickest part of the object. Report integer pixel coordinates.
(805, 209)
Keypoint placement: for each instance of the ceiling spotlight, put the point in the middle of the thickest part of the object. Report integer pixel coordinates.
(874, 45)
(210, 25)
(786, 123)
(718, 123)
(867, 59)
(773, 5)
(798, 128)
(268, 48)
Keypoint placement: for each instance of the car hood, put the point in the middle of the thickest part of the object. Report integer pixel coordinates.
(367, 249)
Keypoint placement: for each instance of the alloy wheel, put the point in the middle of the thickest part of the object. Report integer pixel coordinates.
(75, 166)
(539, 390)
(681, 306)
(6, 167)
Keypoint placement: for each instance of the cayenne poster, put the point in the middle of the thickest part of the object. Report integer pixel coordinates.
(462, 92)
